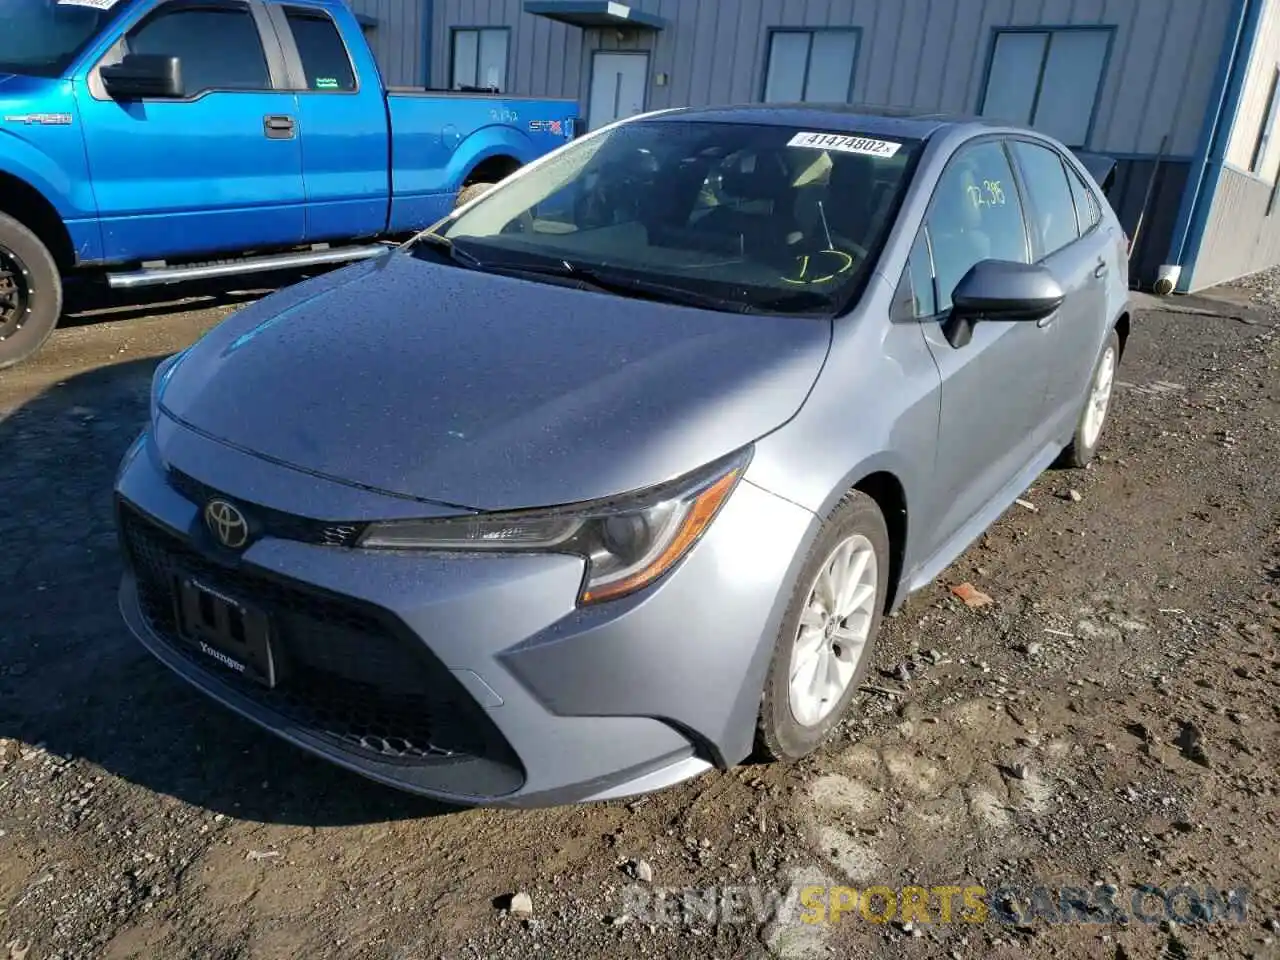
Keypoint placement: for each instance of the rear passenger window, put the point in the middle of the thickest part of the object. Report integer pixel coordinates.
(1087, 211)
(324, 56)
(976, 215)
(1051, 208)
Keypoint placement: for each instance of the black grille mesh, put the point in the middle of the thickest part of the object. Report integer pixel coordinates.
(346, 676)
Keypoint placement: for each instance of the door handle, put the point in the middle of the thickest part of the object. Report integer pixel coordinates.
(279, 126)
(1100, 270)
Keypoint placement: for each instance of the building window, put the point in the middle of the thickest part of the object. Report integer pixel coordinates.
(1259, 160)
(814, 65)
(480, 59)
(1047, 79)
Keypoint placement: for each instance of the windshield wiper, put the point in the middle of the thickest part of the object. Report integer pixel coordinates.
(590, 279)
(586, 278)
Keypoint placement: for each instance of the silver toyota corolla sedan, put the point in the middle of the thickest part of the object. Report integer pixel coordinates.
(609, 477)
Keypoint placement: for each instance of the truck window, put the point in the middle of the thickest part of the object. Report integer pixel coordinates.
(325, 60)
(219, 48)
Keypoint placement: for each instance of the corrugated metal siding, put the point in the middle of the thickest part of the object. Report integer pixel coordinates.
(397, 39)
(1240, 238)
(929, 54)
(1253, 102)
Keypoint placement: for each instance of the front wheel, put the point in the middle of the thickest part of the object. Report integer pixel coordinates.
(30, 292)
(1079, 453)
(827, 639)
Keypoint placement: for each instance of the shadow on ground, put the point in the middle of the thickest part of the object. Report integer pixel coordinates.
(71, 676)
(88, 302)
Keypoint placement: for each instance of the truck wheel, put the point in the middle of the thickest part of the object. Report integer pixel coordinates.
(470, 192)
(30, 292)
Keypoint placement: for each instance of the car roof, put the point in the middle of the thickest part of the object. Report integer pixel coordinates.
(838, 117)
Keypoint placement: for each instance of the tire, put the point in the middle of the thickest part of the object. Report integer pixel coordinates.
(1079, 453)
(30, 292)
(470, 192)
(780, 733)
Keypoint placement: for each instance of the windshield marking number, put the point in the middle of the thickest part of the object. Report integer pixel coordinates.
(846, 144)
(95, 4)
(990, 194)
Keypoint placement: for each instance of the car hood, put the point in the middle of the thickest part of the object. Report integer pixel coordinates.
(489, 392)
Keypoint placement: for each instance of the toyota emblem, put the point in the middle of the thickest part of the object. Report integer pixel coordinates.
(226, 523)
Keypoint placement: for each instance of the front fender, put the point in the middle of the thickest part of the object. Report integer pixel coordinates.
(22, 161)
(487, 142)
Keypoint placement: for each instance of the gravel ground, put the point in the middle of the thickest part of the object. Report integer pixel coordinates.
(1108, 721)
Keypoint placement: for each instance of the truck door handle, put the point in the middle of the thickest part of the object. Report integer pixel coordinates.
(279, 127)
(1100, 270)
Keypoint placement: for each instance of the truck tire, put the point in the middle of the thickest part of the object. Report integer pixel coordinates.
(30, 292)
(470, 192)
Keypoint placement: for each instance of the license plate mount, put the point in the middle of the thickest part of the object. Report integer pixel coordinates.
(235, 634)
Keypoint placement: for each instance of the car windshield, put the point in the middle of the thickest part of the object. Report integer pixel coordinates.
(740, 216)
(42, 37)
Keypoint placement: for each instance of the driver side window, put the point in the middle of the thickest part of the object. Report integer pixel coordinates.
(219, 46)
(976, 215)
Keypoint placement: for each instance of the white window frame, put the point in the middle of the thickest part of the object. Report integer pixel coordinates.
(479, 32)
(1049, 33)
(810, 33)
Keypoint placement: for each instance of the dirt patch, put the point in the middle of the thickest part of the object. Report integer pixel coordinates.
(1108, 721)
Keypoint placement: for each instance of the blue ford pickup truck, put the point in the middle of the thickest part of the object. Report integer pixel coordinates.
(155, 141)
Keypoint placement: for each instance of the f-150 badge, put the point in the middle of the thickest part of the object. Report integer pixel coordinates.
(44, 119)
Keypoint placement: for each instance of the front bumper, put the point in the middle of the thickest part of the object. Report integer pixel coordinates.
(472, 679)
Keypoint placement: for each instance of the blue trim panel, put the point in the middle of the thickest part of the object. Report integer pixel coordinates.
(1193, 214)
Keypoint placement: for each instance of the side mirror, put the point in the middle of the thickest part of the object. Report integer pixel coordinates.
(1001, 290)
(142, 76)
(995, 290)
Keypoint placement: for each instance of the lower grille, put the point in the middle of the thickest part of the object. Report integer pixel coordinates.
(347, 676)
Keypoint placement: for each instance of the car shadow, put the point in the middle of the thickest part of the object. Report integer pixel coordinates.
(87, 302)
(73, 681)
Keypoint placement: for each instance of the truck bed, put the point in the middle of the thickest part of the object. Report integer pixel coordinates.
(449, 135)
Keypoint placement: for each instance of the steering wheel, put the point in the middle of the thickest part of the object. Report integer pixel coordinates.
(823, 266)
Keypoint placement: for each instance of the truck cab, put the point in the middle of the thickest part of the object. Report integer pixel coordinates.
(154, 141)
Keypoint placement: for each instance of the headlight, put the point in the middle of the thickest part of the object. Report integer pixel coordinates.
(628, 542)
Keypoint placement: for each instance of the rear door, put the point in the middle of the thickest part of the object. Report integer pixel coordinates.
(342, 122)
(218, 170)
(1078, 262)
(993, 387)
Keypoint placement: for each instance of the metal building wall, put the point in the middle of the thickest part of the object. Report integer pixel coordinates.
(930, 54)
(926, 54)
(397, 38)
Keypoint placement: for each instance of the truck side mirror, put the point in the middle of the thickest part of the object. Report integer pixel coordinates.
(143, 76)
